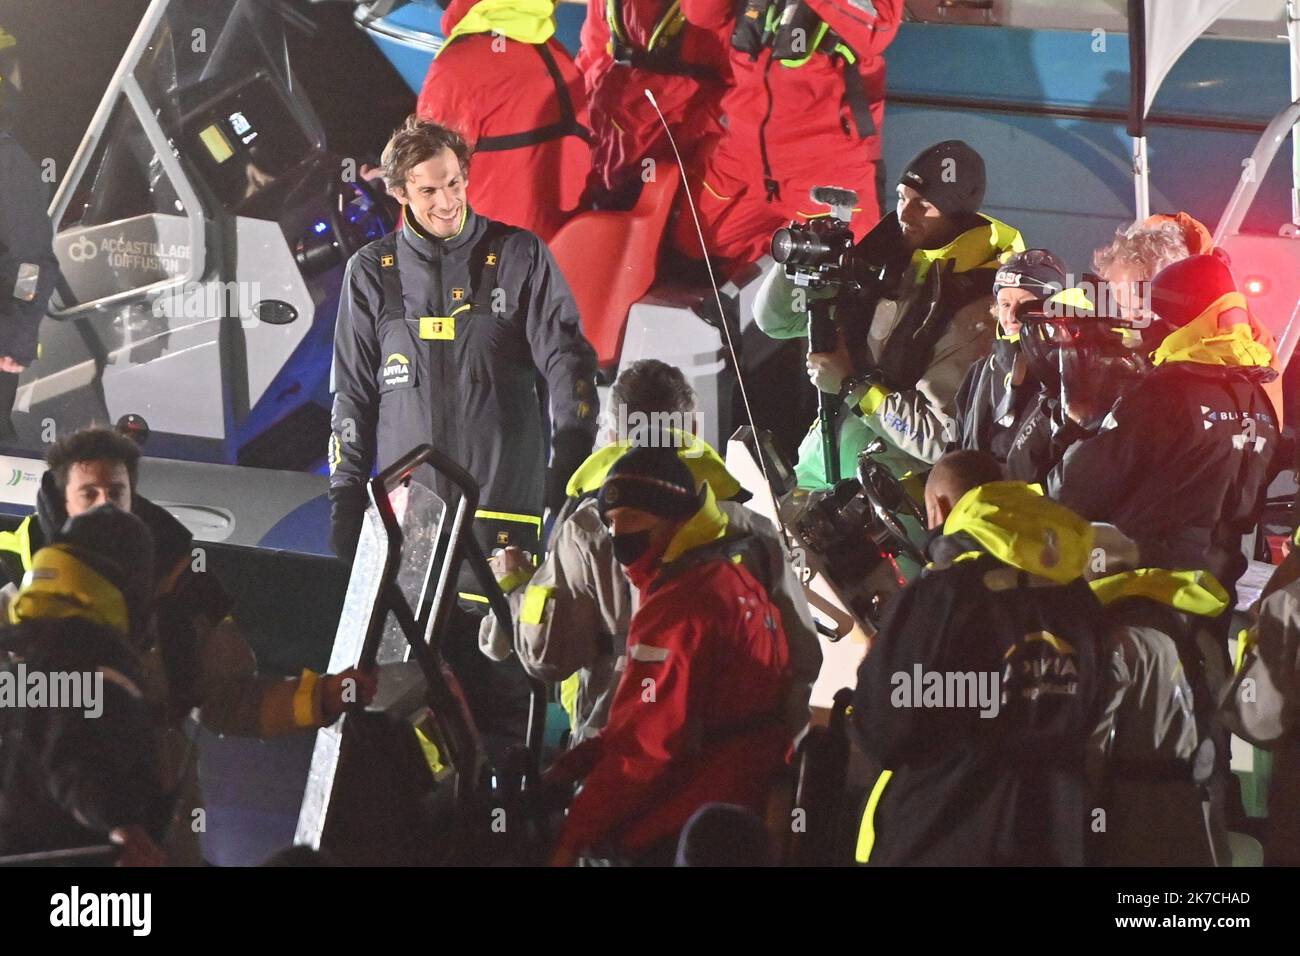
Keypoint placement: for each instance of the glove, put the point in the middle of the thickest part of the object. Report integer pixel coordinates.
(347, 514)
(347, 690)
(569, 449)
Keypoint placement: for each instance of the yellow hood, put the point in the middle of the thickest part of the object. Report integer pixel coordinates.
(980, 247)
(705, 464)
(58, 585)
(706, 525)
(527, 21)
(1243, 345)
(1014, 522)
(1194, 592)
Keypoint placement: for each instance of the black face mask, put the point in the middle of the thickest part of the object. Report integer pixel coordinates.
(629, 547)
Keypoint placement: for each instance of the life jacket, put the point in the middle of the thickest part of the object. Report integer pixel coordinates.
(507, 19)
(662, 53)
(784, 27)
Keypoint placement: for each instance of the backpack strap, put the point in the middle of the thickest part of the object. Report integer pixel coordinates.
(567, 125)
(390, 279)
(485, 263)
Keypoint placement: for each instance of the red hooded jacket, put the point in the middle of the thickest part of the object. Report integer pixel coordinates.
(697, 715)
(490, 86)
(799, 115)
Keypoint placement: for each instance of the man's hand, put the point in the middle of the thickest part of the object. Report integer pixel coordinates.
(351, 689)
(373, 175)
(508, 561)
(8, 364)
(138, 848)
(828, 370)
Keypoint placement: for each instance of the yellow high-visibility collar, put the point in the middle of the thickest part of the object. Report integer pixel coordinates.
(60, 585)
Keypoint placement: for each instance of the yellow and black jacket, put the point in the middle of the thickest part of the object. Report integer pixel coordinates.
(980, 692)
(70, 774)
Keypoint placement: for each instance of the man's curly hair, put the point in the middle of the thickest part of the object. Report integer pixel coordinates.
(415, 142)
(99, 443)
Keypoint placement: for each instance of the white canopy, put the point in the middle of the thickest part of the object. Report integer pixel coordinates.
(1169, 27)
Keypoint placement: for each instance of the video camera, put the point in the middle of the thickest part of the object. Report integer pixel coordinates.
(821, 253)
(856, 536)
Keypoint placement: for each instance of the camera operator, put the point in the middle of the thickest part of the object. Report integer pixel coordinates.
(1000, 393)
(1180, 463)
(907, 339)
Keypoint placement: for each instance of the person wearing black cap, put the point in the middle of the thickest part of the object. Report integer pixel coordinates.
(570, 614)
(698, 716)
(83, 776)
(1181, 462)
(1000, 393)
(905, 349)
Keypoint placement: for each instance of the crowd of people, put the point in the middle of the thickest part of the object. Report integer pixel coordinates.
(1053, 687)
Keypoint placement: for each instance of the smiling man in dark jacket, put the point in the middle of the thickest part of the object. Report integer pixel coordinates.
(444, 330)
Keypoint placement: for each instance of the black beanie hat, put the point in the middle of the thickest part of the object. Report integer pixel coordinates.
(651, 479)
(950, 175)
(1182, 291)
(1035, 270)
(118, 546)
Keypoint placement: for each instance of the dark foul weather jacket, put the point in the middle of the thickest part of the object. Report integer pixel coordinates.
(25, 240)
(67, 778)
(1005, 604)
(991, 412)
(1181, 462)
(447, 341)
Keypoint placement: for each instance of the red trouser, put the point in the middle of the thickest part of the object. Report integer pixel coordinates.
(627, 130)
(737, 216)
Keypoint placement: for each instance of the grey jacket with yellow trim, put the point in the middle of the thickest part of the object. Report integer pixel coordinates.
(571, 620)
(1162, 670)
(919, 420)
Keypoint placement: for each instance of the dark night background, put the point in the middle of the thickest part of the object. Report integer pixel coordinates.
(69, 49)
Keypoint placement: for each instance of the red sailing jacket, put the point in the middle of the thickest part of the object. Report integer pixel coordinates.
(798, 118)
(697, 715)
(626, 126)
(490, 86)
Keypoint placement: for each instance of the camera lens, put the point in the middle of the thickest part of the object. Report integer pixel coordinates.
(782, 245)
(800, 247)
